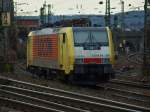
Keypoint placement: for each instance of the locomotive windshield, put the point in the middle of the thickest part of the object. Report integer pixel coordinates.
(90, 39)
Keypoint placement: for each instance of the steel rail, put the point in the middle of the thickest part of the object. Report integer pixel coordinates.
(131, 97)
(36, 101)
(138, 95)
(92, 106)
(80, 96)
(129, 83)
(10, 103)
(142, 93)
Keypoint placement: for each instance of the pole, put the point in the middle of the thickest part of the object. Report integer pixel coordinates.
(6, 15)
(41, 15)
(122, 14)
(123, 26)
(50, 6)
(6, 44)
(45, 17)
(107, 14)
(1, 10)
(49, 12)
(146, 51)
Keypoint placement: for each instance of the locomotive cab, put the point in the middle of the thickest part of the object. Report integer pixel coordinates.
(93, 54)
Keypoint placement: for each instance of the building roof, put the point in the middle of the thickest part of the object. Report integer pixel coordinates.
(27, 18)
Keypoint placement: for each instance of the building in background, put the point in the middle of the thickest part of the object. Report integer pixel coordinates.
(133, 20)
(29, 22)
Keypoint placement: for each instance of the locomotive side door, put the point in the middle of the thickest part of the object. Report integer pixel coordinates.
(62, 51)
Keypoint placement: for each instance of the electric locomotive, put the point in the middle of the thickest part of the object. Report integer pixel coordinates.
(82, 55)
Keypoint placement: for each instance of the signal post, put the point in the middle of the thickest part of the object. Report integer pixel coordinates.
(6, 18)
(146, 52)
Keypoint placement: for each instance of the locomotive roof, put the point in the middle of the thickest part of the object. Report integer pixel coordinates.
(44, 31)
(90, 28)
(48, 31)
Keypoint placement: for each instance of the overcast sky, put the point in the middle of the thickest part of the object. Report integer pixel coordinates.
(64, 7)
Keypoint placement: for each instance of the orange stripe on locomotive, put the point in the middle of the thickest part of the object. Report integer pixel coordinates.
(45, 47)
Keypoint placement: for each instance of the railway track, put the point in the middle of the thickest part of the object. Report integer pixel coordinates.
(56, 99)
(51, 105)
(129, 83)
(137, 58)
(132, 92)
(23, 106)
